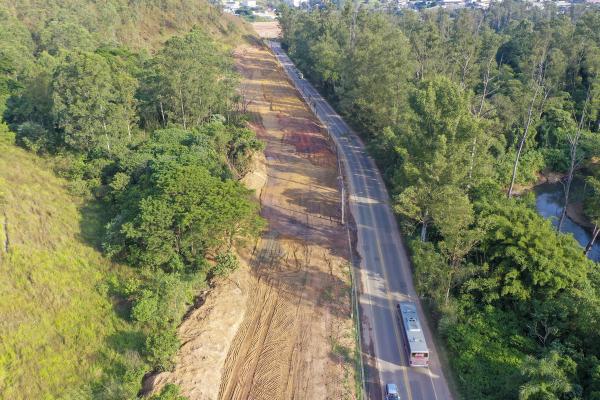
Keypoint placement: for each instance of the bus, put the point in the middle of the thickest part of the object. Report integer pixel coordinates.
(414, 340)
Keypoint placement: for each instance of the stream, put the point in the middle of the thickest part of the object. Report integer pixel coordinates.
(549, 204)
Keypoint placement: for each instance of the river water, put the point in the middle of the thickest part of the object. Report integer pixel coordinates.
(549, 204)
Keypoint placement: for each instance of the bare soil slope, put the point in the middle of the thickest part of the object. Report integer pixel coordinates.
(296, 340)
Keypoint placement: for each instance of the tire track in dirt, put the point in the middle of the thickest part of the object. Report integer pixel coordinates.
(297, 327)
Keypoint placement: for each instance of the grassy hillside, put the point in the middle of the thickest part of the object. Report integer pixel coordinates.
(135, 24)
(54, 313)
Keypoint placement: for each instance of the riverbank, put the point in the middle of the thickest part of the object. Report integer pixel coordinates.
(576, 213)
(543, 178)
(549, 199)
(575, 209)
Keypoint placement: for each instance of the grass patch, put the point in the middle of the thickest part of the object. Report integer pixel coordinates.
(57, 323)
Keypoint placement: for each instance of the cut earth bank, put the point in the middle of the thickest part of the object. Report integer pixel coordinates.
(280, 326)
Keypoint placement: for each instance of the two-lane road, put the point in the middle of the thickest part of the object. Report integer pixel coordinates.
(384, 274)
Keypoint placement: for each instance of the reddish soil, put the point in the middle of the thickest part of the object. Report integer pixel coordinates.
(297, 326)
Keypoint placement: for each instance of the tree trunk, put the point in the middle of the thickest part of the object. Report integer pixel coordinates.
(447, 297)
(568, 187)
(353, 29)
(486, 81)
(464, 71)
(522, 142)
(182, 108)
(424, 228)
(162, 113)
(574, 142)
(472, 163)
(592, 240)
(539, 85)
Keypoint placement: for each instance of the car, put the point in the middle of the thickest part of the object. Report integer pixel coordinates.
(391, 392)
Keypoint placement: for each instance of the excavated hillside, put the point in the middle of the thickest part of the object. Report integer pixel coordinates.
(280, 327)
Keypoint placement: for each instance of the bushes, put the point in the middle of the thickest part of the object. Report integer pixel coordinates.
(169, 392)
(161, 345)
(486, 354)
(159, 301)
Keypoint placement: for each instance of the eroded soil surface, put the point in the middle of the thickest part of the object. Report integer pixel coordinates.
(267, 29)
(296, 340)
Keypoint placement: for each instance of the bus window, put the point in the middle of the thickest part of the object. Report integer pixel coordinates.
(419, 359)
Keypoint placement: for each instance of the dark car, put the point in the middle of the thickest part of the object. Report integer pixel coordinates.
(391, 392)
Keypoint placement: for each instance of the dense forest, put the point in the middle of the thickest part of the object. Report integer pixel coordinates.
(462, 111)
(136, 108)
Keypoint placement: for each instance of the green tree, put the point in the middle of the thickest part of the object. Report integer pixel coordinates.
(16, 54)
(189, 80)
(592, 209)
(185, 213)
(93, 106)
(65, 35)
(375, 91)
(454, 217)
(549, 378)
(527, 258)
(434, 149)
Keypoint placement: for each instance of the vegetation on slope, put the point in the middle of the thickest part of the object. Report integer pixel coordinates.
(460, 107)
(149, 146)
(138, 25)
(55, 312)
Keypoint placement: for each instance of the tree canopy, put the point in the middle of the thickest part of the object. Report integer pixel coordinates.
(460, 109)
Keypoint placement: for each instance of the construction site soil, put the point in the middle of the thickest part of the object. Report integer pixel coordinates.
(280, 327)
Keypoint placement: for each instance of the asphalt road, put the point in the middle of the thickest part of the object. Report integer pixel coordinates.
(384, 275)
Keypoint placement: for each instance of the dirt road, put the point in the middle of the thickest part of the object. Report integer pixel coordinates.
(296, 341)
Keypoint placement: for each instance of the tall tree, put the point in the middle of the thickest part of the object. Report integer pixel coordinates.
(573, 138)
(434, 148)
(537, 88)
(93, 106)
(189, 80)
(549, 378)
(183, 213)
(592, 209)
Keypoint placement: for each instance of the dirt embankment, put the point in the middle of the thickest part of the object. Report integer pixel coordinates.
(296, 340)
(209, 330)
(279, 328)
(206, 336)
(270, 29)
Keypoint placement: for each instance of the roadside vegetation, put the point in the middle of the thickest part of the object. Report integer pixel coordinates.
(134, 111)
(463, 110)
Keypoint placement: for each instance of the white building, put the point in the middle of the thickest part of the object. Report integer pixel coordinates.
(296, 3)
(231, 6)
(249, 3)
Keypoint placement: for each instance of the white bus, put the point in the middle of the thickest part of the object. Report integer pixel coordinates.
(414, 340)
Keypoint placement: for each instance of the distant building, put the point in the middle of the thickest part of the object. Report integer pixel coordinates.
(452, 3)
(231, 6)
(249, 3)
(296, 3)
